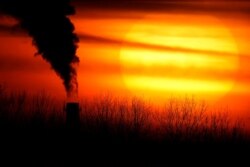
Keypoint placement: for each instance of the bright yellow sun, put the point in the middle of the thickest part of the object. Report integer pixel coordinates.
(179, 55)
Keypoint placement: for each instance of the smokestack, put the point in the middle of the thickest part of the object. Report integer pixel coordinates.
(72, 115)
(47, 22)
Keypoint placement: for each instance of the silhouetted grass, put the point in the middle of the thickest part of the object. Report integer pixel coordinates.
(128, 124)
(178, 121)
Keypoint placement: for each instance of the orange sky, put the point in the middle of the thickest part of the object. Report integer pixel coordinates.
(155, 54)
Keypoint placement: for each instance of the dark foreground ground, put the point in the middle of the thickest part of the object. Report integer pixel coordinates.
(117, 133)
(57, 147)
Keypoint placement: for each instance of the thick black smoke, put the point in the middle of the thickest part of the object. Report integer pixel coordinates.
(53, 34)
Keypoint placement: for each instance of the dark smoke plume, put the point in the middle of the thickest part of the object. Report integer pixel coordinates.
(53, 34)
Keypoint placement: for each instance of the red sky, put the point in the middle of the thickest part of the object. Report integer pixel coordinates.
(155, 49)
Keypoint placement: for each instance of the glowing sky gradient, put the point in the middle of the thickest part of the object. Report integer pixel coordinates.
(152, 48)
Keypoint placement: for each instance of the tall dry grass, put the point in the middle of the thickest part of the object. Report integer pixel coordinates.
(122, 118)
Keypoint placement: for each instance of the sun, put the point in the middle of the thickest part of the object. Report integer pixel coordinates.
(179, 55)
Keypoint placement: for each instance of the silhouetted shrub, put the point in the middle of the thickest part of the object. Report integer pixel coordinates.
(109, 117)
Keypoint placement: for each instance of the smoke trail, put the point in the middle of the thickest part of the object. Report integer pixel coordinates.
(53, 34)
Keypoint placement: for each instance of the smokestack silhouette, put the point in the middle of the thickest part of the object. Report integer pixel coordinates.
(53, 34)
(72, 115)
